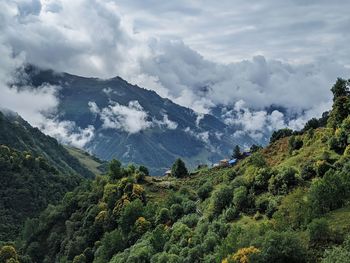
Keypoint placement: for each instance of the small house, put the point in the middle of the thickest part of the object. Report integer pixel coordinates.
(232, 162)
(167, 173)
(224, 163)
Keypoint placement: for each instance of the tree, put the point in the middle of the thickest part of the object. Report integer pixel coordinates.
(340, 89)
(236, 153)
(276, 135)
(284, 247)
(114, 169)
(254, 148)
(144, 169)
(179, 169)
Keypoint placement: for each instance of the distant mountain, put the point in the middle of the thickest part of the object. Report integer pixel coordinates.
(136, 125)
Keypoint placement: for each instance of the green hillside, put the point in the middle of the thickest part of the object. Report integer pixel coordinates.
(92, 163)
(18, 134)
(288, 202)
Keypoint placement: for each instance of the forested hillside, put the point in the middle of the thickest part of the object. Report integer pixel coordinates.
(288, 202)
(18, 134)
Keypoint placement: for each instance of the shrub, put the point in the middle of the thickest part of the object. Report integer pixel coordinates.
(294, 143)
(276, 135)
(240, 197)
(163, 216)
(284, 247)
(204, 191)
(231, 214)
(144, 170)
(176, 211)
(308, 171)
(8, 254)
(319, 231)
(221, 198)
(283, 181)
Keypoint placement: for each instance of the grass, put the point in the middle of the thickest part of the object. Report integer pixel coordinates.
(86, 160)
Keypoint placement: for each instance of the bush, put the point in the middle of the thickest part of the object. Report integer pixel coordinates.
(294, 143)
(231, 214)
(144, 170)
(240, 197)
(176, 211)
(319, 231)
(163, 216)
(329, 193)
(221, 198)
(204, 191)
(283, 182)
(284, 247)
(276, 135)
(307, 171)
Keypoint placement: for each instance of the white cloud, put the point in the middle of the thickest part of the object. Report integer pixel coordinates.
(131, 118)
(68, 133)
(168, 124)
(202, 136)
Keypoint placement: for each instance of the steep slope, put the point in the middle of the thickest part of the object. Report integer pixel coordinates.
(18, 134)
(137, 125)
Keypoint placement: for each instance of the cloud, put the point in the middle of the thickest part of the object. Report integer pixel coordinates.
(37, 106)
(202, 136)
(68, 133)
(131, 118)
(200, 55)
(166, 123)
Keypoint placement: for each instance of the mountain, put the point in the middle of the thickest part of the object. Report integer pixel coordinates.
(135, 125)
(288, 202)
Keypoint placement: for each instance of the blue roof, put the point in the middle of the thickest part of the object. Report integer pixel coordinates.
(233, 161)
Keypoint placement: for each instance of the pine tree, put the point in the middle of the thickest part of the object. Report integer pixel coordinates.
(179, 169)
(236, 153)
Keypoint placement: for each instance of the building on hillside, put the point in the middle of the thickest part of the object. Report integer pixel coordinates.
(224, 163)
(232, 162)
(167, 173)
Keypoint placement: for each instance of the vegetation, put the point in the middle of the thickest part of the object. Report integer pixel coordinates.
(288, 202)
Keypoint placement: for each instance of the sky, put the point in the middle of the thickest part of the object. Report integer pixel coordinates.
(244, 56)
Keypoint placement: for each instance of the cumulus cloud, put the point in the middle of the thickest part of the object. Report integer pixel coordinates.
(131, 118)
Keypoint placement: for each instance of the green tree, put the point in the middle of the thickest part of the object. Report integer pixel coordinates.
(340, 89)
(284, 247)
(179, 169)
(236, 153)
(144, 169)
(114, 169)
